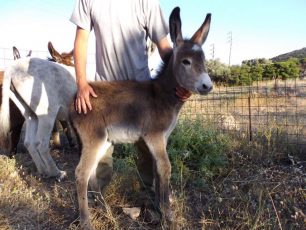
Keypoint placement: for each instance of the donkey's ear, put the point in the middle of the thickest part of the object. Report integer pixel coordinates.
(175, 25)
(16, 53)
(54, 54)
(68, 55)
(67, 58)
(200, 36)
(71, 53)
(30, 53)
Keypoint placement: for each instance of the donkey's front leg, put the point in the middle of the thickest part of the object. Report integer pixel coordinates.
(93, 150)
(157, 146)
(82, 177)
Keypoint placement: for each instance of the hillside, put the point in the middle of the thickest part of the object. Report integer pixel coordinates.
(301, 53)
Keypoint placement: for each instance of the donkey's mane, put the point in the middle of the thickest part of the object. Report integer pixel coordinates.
(163, 66)
(51, 59)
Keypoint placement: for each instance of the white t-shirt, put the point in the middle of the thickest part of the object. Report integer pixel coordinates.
(121, 28)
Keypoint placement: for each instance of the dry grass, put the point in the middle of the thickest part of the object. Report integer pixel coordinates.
(29, 202)
(250, 193)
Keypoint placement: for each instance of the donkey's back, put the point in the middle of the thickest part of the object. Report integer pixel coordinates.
(43, 85)
(128, 110)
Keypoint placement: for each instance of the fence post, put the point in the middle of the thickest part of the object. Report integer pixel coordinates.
(250, 118)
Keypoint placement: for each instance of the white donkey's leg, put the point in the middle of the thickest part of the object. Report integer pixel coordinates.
(93, 150)
(44, 129)
(31, 144)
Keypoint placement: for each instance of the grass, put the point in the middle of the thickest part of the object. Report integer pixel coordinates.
(17, 198)
(218, 182)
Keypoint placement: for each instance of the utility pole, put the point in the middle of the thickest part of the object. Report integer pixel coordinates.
(230, 41)
(212, 51)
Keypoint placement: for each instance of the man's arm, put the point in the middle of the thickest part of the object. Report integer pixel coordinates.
(164, 48)
(82, 101)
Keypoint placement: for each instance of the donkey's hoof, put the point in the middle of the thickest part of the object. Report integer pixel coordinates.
(167, 215)
(86, 225)
(149, 215)
(43, 175)
(61, 176)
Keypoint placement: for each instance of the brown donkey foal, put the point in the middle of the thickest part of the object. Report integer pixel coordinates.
(128, 111)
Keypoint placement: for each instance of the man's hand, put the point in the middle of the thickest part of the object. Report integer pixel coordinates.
(182, 93)
(82, 101)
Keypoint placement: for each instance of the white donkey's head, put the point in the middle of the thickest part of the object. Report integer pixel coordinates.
(188, 56)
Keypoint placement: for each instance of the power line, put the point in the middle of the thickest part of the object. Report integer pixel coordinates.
(212, 51)
(230, 41)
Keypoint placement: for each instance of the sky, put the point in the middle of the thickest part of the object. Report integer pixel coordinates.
(257, 28)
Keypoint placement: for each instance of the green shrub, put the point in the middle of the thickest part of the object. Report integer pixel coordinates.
(197, 152)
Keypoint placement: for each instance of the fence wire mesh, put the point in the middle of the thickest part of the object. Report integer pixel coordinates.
(272, 113)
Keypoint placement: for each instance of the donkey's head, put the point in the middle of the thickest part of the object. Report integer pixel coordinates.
(188, 56)
(16, 53)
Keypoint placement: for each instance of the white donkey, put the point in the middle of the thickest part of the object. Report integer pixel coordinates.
(43, 91)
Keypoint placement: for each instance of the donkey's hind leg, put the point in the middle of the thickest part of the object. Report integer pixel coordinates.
(56, 137)
(17, 121)
(145, 165)
(103, 174)
(70, 134)
(93, 149)
(44, 129)
(31, 143)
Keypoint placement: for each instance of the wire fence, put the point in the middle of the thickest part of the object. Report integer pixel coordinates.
(272, 113)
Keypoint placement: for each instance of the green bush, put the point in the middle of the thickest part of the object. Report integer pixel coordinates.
(196, 152)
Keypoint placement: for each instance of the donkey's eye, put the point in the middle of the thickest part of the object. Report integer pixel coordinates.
(186, 62)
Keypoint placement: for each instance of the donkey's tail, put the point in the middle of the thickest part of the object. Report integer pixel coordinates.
(5, 141)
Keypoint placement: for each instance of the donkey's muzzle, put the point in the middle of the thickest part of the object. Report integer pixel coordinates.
(206, 89)
(206, 84)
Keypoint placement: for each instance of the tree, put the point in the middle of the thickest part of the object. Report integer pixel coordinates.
(245, 76)
(234, 77)
(256, 72)
(218, 71)
(269, 72)
(287, 69)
